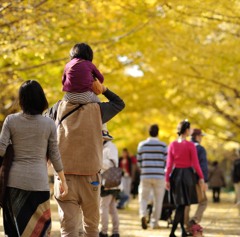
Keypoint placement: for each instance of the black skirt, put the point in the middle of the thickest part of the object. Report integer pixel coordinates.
(183, 187)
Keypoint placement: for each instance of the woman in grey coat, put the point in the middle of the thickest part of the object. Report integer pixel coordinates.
(216, 181)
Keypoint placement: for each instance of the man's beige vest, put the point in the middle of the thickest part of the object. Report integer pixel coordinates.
(80, 138)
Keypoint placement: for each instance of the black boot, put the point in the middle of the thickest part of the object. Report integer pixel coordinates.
(115, 235)
(103, 235)
(144, 223)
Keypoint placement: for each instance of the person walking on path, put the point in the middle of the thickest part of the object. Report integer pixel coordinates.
(216, 181)
(152, 160)
(180, 178)
(236, 180)
(26, 210)
(108, 196)
(196, 138)
(81, 149)
(129, 166)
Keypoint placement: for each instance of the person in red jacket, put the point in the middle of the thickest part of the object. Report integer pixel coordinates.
(180, 178)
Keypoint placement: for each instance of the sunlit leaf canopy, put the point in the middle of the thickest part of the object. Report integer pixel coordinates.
(168, 60)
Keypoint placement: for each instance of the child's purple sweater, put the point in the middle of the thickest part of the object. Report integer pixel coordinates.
(78, 76)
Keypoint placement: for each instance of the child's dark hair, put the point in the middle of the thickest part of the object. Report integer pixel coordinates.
(182, 127)
(81, 50)
(32, 99)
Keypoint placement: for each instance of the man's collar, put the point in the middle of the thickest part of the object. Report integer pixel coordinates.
(195, 141)
(153, 138)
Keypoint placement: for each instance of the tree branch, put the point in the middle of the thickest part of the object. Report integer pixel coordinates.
(229, 118)
(35, 66)
(5, 7)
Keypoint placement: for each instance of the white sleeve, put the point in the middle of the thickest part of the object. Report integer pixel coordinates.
(110, 155)
(113, 154)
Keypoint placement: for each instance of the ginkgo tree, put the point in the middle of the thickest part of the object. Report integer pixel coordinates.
(168, 60)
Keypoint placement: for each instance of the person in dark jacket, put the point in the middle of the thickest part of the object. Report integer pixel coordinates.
(236, 180)
(216, 181)
(196, 138)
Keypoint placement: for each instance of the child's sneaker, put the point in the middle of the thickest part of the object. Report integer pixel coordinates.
(106, 136)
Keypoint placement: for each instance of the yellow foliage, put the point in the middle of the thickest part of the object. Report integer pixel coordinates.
(186, 53)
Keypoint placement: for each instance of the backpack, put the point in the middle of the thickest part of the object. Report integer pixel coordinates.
(236, 171)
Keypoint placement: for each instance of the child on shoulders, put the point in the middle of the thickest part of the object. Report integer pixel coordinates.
(78, 78)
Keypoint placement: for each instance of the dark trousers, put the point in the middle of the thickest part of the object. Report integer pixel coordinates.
(216, 194)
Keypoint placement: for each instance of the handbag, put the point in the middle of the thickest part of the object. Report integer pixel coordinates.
(4, 171)
(201, 195)
(111, 177)
(97, 87)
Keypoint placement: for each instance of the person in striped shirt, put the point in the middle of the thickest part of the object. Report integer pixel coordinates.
(151, 158)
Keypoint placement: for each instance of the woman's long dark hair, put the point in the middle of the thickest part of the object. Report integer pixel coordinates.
(32, 99)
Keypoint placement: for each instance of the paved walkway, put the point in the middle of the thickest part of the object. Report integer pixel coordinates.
(220, 219)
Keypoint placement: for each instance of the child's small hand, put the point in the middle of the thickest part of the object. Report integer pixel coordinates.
(104, 88)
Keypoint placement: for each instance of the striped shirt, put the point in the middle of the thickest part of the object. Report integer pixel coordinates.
(81, 98)
(151, 157)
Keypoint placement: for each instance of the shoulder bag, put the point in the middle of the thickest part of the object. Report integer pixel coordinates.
(112, 177)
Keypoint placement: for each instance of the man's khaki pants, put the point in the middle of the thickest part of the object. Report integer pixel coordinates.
(157, 187)
(84, 193)
(198, 214)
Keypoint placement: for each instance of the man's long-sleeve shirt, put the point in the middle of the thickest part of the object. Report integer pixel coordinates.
(152, 158)
(202, 157)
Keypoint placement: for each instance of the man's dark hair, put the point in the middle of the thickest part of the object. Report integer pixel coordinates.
(153, 130)
(81, 50)
(32, 99)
